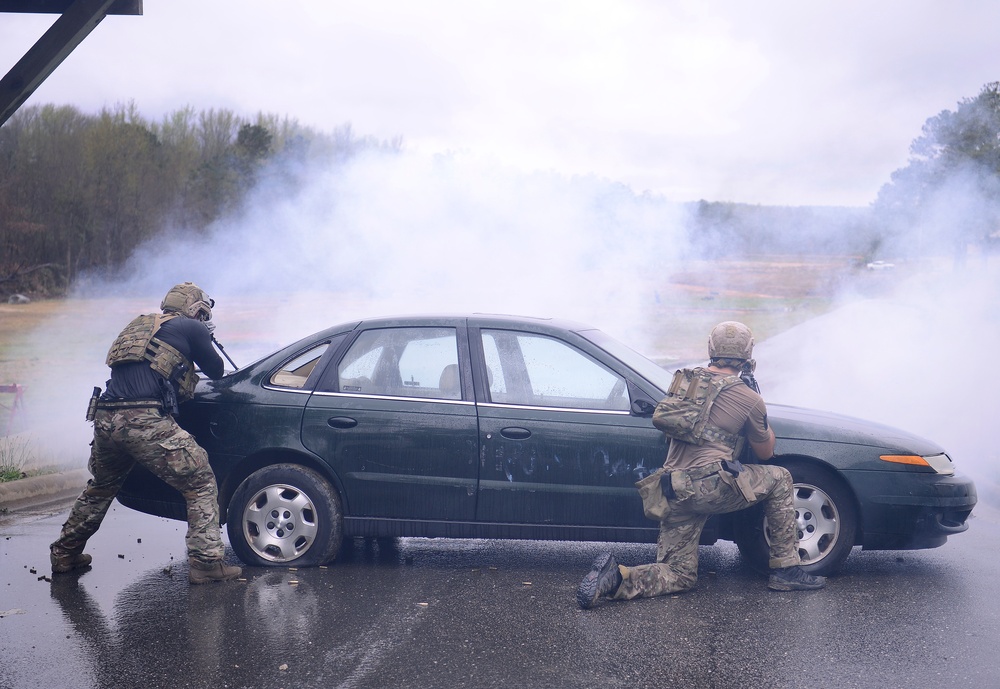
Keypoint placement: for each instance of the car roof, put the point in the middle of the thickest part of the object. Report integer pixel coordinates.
(473, 318)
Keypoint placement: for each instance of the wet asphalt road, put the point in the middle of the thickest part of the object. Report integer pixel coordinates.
(440, 613)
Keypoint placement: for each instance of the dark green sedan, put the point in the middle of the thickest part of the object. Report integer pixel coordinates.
(485, 426)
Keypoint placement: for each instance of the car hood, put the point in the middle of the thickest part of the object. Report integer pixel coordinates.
(798, 423)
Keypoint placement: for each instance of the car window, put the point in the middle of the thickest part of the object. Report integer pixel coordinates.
(658, 375)
(295, 373)
(535, 370)
(403, 362)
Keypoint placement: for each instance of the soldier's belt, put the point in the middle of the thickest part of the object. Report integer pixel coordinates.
(129, 404)
(702, 472)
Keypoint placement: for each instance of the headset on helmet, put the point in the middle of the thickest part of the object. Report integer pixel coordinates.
(730, 340)
(188, 300)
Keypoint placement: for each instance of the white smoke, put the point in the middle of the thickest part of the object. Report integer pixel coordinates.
(382, 234)
(403, 233)
(919, 358)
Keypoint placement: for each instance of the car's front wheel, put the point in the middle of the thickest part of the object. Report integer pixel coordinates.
(826, 522)
(285, 514)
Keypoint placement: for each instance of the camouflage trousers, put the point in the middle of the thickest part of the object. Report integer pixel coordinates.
(676, 566)
(124, 437)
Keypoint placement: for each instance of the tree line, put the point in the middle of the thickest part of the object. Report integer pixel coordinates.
(79, 192)
(948, 195)
(945, 200)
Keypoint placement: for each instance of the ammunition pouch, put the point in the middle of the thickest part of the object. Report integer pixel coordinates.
(652, 489)
(172, 365)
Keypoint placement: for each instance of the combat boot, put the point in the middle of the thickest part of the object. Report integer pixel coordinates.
(67, 563)
(202, 573)
(603, 579)
(794, 579)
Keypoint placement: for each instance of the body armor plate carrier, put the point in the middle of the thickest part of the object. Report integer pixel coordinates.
(138, 342)
(683, 413)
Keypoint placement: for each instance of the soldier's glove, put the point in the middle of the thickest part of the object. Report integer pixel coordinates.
(211, 327)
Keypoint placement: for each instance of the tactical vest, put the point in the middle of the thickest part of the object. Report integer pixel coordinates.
(137, 342)
(683, 414)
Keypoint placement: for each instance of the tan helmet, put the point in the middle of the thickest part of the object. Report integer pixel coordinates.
(188, 300)
(730, 340)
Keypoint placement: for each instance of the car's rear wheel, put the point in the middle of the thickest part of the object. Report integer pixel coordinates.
(285, 515)
(826, 521)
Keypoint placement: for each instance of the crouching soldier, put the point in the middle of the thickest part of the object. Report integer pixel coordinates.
(152, 369)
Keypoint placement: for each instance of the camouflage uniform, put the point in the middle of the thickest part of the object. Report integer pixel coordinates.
(152, 369)
(708, 416)
(713, 491)
(703, 488)
(154, 440)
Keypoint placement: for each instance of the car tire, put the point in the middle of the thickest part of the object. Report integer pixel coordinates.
(826, 518)
(285, 514)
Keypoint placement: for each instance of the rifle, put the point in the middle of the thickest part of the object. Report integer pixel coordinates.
(746, 375)
(748, 457)
(223, 350)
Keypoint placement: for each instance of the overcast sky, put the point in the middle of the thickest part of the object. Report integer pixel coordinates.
(767, 102)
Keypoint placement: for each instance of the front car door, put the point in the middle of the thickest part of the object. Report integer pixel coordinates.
(560, 446)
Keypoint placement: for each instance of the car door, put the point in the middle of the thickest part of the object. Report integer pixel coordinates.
(560, 445)
(395, 419)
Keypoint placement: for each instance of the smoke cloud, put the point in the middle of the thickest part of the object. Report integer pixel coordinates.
(918, 357)
(405, 233)
(383, 234)
(389, 233)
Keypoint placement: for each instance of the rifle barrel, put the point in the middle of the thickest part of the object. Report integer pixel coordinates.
(223, 350)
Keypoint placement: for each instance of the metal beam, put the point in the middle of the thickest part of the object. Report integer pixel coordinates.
(60, 6)
(75, 24)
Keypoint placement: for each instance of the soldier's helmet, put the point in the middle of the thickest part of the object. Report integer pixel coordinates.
(730, 340)
(188, 300)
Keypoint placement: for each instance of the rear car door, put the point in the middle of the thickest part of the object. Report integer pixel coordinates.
(395, 419)
(560, 445)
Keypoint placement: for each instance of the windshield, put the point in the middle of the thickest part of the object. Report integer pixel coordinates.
(656, 375)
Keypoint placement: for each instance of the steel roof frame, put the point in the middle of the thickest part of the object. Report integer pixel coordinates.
(77, 19)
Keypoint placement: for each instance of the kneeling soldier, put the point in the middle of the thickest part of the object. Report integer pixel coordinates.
(702, 477)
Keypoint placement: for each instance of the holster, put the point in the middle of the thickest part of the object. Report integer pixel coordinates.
(667, 486)
(743, 482)
(92, 405)
(169, 398)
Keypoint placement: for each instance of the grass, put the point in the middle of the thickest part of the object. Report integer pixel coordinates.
(15, 455)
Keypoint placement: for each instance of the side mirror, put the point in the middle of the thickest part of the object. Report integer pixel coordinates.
(641, 407)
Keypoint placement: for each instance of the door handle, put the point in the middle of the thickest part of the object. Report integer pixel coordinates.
(515, 433)
(341, 422)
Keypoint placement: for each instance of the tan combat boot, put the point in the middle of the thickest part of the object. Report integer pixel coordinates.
(67, 563)
(202, 573)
